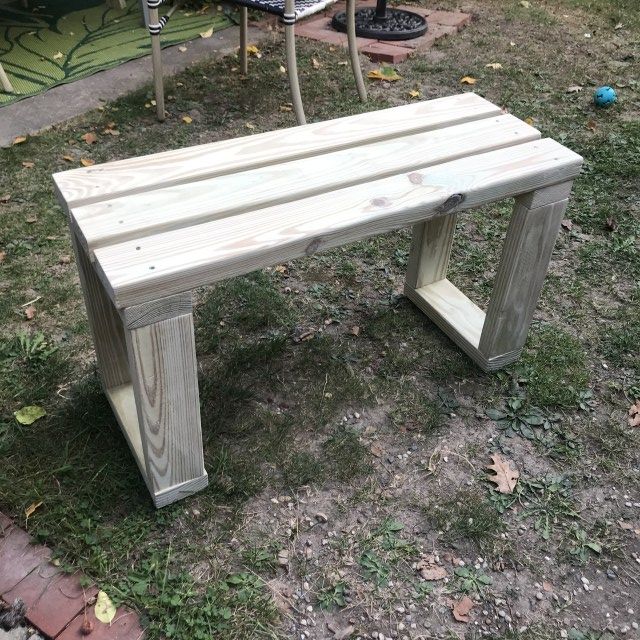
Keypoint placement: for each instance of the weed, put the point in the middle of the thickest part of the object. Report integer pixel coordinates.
(333, 596)
(581, 547)
(374, 568)
(471, 580)
(302, 468)
(348, 457)
(27, 349)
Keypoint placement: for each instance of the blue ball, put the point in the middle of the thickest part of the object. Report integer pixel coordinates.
(604, 96)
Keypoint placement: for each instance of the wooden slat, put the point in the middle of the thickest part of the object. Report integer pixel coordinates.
(144, 173)
(136, 216)
(180, 260)
(141, 315)
(452, 311)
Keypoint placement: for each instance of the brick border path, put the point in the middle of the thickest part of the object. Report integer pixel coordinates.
(55, 600)
(441, 24)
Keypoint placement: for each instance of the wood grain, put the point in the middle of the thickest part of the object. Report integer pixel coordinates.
(145, 173)
(525, 256)
(163, 366)
(137, 216)
(183, 259)
(141, 315)
(104, 322)
(430, 250)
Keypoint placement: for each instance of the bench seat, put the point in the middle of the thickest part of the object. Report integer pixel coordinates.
(148, 230)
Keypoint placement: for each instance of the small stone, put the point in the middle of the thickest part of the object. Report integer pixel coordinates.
(584, 580)
(611, 574)
(539, 596)
(634, 625)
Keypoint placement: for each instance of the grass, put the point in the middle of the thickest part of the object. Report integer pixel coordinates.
(317, 377)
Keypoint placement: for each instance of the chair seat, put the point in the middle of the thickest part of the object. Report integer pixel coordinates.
(304, 8)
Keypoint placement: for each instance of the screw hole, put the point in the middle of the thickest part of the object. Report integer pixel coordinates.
(137, 248)
(151, 268)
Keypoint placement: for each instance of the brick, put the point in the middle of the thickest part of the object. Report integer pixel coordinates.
(422, 43)
(5, 522)
(320, 29)
(450, 19)
(53, 598)
(386, 52)
(18, 557)
(125, 626)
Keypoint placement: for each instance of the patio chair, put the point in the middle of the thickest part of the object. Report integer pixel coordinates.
(289, 11)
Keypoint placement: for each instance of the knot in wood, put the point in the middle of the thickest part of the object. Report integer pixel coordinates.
(381, 202)
(415, 177)
(451, 202)
(312, 247)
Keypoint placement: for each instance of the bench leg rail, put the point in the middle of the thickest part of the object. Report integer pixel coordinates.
(495, 339)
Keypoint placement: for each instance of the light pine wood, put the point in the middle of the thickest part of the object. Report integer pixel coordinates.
(143, 314)
(548, 195)
(452, 311)
(525, 257)
(104, 322)
(139, 215)
(183, 259)
(163, 368)
(145, 173)
(431, 243)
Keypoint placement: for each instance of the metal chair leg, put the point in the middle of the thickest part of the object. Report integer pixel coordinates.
(5, 82)
(155, 27)
(244, 63)
(292, 71)
(353, 49)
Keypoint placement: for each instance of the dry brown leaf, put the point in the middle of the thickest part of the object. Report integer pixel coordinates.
(280, 268)
(547, 586)
(429, 570)
(187, 119)
(315, 63)
(634, 414)
(207, 34)
(58, 55)
(19, 139)
(249, 125)
(68, 158)
(30, 312)
(28, 165)
(376, 449)
(254, 51)
(355, 330)
(461, 609)
(182, 48)
(87, 162)
(574, 88)
(493, 65)
(90, 137)
(285, 108)
(415, 93)
(31, 509)
(468, 80)
(506, 476)
(567, 224)
(3, 255)
(64, 259)
(592, 125)
(529, 121)
(341, 633)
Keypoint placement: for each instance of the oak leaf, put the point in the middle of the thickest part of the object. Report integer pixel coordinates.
(90, 137)
(634, 414)
(506, 476)
(429, 570)
(461, 609)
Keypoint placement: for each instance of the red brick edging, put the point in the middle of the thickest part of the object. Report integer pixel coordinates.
(55, 600)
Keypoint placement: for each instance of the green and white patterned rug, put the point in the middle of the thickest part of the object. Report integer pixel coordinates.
(56, 41)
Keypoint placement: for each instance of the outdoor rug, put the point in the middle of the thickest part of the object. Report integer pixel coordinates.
(56, 41)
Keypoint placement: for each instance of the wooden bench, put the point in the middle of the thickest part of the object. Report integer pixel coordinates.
(148, 230)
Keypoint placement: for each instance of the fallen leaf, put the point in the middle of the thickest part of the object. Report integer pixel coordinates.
(315, 63)
(31, 509)
(461, 609)
(567, 224)
(90, 137)
(28, 415)
(634, 414)
(592, 125)
(341, 633)
(207, 34)
(283, 69)
(182, 49)
(414, 93)
(187, 119)
(68, 158)
(280, 268)
(58, 55)
(429, 570)
(618, 26)
(64, 259)
(5, 198)
(574, 88)
(31, 219)
(468, 80)
(19, 139)
(285, 108)
(493, 65)
(547, 586)
(30, 311)
(506, 476)
(384, 73)
(249, 125)
(355, 330)
(87, 162)
(104, 609)
(3, 255)
(252, 50)
(376, 449)
(283, 558)
(28, 165)
(525, 3)
(529, 120)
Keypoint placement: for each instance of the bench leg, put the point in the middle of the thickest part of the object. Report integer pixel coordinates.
(105, 324)
(162, 361)
(496, 338)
